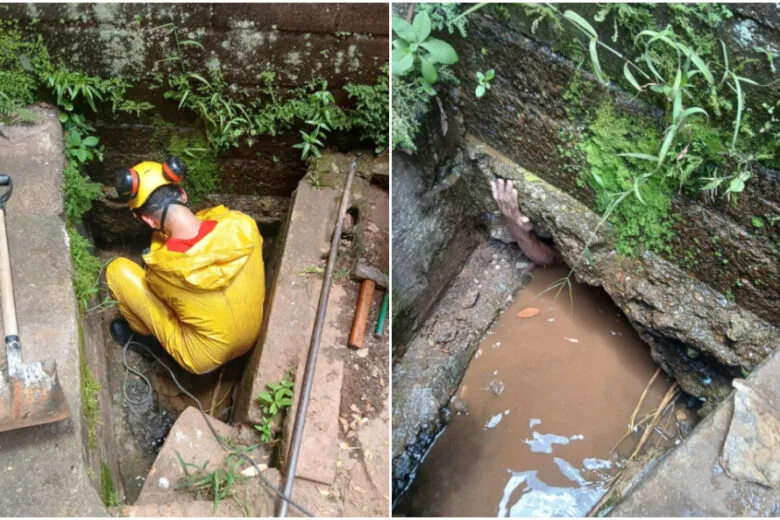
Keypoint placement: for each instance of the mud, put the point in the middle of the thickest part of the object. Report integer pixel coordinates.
(542, 404)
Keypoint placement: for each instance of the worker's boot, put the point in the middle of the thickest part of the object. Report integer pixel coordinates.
(144, 345)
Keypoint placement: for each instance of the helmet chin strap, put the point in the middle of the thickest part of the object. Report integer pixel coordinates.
(165, 214)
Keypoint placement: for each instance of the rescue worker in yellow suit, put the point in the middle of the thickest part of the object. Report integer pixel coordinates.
(201, 294)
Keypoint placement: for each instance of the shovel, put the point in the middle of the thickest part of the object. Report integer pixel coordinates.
(30, 393)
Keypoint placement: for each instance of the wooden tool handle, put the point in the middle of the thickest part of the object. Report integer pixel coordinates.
(6, 284)
(361, 315)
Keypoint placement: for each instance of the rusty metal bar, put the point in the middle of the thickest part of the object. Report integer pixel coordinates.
(314, 349)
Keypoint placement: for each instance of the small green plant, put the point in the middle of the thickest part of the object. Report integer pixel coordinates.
(484, 82)
(312, 270)
(273, 402)
(770, 57)
(415, 51)
(220, 484)
(372, 104)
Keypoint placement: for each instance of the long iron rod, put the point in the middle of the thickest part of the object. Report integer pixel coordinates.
(314, 348)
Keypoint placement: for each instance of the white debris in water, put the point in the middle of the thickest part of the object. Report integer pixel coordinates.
(543, 442)
(577, 437)
(550, 320)
(534, 422)
(495, 372)
(569, 471)
(477, 354)
(594, 464)
(163, 483)
(497, 345)
(615, 333)
(506, 412)
(538, 499)
(493, 422)
(571, 340)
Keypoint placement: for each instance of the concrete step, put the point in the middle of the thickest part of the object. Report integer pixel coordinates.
(191, 439)
(42, 468)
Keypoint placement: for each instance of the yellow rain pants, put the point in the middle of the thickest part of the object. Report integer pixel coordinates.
(205, 306)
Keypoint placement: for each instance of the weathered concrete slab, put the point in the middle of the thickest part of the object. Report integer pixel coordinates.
(42, 469)
(192, 440)
(437, 357)
(691, 481)
(320, 444)
(292, 297)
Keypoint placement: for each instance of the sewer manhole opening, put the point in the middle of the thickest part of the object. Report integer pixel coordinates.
(540, 422)
(142, 419)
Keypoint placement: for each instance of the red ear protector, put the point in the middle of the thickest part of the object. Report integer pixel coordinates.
(174, 169)
(127, 183)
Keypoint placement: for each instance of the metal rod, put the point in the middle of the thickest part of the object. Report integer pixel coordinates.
(314, 349)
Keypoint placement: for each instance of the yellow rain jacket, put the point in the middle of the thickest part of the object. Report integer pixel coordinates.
(205, 305)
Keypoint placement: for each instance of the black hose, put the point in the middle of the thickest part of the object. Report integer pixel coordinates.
(202, 412)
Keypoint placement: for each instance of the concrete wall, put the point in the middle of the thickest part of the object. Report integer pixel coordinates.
(341, 43)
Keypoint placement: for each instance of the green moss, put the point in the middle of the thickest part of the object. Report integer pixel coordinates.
(202, 175)
(638, 225)
(90, 391)
(108, 492)
(86, 268)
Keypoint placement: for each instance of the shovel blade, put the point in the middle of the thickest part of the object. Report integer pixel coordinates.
(30, 395)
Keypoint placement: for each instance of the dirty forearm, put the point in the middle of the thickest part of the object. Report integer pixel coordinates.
(536, 250)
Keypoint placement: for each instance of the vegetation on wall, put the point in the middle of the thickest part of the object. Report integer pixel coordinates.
(420, 61)
(703, 142)
(231, 118)
(234, 117)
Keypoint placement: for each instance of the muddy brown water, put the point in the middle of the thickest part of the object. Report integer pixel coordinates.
(540, 408)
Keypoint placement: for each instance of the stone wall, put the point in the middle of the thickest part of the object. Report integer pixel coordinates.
(340, 43)
(523, 116)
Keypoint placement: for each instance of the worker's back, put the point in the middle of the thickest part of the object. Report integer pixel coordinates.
(216, 289)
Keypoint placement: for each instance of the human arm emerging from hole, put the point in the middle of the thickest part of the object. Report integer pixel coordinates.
(520, 226)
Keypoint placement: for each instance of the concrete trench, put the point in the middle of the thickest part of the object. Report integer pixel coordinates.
(477, 276)
(447, 232)
(130, 436)
(110, 455)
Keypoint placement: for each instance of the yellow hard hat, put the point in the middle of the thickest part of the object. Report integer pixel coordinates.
(136, 184)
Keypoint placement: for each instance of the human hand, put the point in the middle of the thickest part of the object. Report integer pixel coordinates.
(505, 195)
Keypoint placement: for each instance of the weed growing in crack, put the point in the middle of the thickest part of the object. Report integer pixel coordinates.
(273, 403)
(224, 482)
